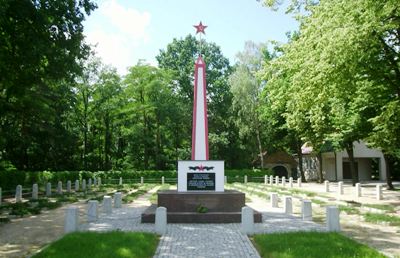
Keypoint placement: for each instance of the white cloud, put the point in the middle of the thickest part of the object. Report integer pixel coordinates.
(117, 32)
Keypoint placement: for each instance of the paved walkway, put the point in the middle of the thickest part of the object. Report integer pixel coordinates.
(202, 240)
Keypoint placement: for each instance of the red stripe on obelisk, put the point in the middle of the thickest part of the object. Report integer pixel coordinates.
(205, 108)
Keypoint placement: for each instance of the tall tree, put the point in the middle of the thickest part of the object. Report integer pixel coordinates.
(346, 64)
(154, 112)
(246, 88)
(179, 57)
(41, 46)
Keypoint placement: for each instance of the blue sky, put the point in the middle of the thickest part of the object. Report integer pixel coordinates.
(128, 30)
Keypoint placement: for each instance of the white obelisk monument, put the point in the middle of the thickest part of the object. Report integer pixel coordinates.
(200, 174)
(200, 121)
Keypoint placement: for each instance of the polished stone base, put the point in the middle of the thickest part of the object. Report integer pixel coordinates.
(189, 207)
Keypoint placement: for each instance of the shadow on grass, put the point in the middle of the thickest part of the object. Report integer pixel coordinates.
(310, 245)
(110, 244)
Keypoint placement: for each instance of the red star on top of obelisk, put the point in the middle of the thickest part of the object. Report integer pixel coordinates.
(200, 28)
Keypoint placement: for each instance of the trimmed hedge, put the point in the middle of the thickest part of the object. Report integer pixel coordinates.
(10, 179)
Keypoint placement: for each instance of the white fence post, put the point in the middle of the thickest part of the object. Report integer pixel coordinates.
(247, 221)
(93, 211)
(84, 185)
(48, 189)
(379, 195)
(340, 188)
(161, 220)
(69, 186)
(59, 187)
(306, 210)
(18, 193)
(35, 191)
(71, 219)
(274, 200)
(118, 200)
(288, 207)
(332, 219)
(326, 186)
(358, 190)
(76, 185)
(107, 204)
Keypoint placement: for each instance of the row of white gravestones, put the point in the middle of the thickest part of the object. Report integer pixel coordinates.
(357, 190)
(247, 217)
(71, 221)
(332, 216)
(270, 180)
(107, 202)
(35, 189)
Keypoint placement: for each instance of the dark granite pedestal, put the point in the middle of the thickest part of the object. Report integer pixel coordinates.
(183, 207)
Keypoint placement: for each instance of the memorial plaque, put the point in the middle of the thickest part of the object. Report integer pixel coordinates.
(201, 181)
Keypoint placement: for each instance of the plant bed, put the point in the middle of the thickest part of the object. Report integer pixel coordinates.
(111, 244)
(310, 245)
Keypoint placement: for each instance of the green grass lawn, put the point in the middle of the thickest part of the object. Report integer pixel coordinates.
(111, 244)
(310, 245)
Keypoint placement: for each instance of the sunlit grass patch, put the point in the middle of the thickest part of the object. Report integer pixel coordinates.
(111, 244)
(310, 245)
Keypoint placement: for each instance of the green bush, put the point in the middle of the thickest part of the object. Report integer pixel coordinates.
(11, 177)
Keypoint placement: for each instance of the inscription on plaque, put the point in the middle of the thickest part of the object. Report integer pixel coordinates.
(201, 181)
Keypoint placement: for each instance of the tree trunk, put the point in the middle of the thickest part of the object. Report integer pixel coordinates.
(350, 152)
(107, 142)
(260, 148)
(388, 162)
(85, 128)
(300, 155)
(320, 175)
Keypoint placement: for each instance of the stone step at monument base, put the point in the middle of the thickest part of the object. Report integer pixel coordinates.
(227, 201)
(194, 217)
